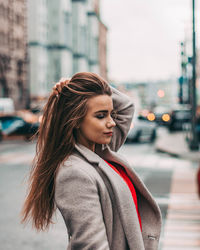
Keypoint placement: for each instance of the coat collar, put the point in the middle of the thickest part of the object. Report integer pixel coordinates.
(88, 154)
(116, 188)
(103, 152)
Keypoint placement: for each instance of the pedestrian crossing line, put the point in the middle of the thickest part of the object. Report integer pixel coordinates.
(181, 248)
(182, 227)
(16, 158)
(185, 207)
(184, 212)
(181, 243)
(159, 162)
(190, 235)
(179, 196)
(181, 200)
(174, 216)
(185, 227)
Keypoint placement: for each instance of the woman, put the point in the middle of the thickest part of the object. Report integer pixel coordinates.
(103, 202)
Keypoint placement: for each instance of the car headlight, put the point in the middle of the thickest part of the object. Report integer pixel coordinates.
(165, 117)
(151, 117)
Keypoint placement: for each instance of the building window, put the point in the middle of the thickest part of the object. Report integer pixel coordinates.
(3, 14)
(18, 43)
(17, 19)
(67, 28)
(1, 38)
(83, 40)
(19, 67)
(57, 70)
(4, 92)
(1, 10)
(20, 91)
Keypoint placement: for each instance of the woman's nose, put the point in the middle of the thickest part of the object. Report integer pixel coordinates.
(111, 123)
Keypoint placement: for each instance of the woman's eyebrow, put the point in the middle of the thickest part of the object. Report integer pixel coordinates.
(103, 111)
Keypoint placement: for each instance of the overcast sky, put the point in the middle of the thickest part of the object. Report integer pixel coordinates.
(144, 37)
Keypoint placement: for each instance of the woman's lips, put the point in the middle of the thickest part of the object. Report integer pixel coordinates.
(108, 134)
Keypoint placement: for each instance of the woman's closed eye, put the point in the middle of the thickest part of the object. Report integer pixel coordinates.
(101, 116)
(105, 114)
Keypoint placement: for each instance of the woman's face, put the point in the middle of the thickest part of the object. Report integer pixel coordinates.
(97, 125)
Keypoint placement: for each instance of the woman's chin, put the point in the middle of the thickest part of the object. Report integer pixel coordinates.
(107, 141)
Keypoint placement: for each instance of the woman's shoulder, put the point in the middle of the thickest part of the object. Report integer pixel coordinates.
(76, 166)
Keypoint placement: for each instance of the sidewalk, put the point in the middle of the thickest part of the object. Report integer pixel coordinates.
(176, 145)
(182, 227)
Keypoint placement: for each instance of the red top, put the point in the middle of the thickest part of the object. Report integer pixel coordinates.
(122, 172)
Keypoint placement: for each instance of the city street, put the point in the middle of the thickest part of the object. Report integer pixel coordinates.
(156, 170)
(58, 60)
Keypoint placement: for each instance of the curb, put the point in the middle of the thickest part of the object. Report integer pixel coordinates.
(192, 156)
(160, 150)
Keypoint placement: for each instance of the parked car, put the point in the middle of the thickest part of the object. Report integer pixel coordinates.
(179, 118)
(159, 114)
(1, 132)
(141, 130)
(162, 115)
(6, 105)
(16, 125)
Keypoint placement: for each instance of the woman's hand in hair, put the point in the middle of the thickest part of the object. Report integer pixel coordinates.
(59, 85)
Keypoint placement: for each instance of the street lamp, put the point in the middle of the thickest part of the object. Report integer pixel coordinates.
(194, 140)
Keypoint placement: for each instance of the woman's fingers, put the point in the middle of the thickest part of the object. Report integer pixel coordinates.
(59, 85)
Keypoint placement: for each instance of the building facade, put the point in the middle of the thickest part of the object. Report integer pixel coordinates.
(37, 47)
(13, 52)
(152, 94)
(65, 37)
(103, 71)
(59, 38)
(93, 36)
(80, 35)
(198, 77)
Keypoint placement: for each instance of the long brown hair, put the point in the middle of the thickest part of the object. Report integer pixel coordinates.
(56, 141)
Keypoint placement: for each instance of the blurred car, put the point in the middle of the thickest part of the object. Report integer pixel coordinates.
(1, 132)
(179, 118)
(6, 105)
(12, 125)
(141, 130)
(162, 115)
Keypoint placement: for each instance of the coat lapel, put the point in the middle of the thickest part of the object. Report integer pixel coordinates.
(139, 185)
(120, 195)
(115, 157)
(119, 191)
(123, 201)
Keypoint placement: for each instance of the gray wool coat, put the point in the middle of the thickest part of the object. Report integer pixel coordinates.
(96, 203)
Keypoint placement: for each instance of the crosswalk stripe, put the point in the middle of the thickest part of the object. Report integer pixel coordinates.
(182, 227)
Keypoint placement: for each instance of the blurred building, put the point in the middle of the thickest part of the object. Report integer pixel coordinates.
(65, 37)
(198, 76)
(152, 94)
(93, 36)
(100, 44)
(37, 47)
(166, 92)
(13, 52)
(59, 39)
(103, 71)
(80, 36)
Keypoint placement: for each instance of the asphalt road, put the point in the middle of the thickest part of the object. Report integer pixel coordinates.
(15, 159)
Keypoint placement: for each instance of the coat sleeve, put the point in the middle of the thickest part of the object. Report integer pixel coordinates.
(77, 198)
(124, 113)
